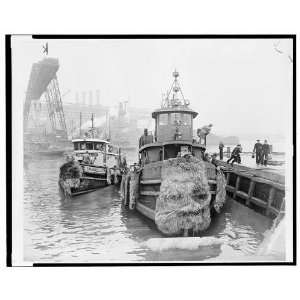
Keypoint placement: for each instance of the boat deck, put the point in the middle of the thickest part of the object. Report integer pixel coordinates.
(267, 173)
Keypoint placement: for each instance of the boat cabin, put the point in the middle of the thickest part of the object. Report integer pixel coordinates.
(173, 134)
(99, 151)
(89, 145)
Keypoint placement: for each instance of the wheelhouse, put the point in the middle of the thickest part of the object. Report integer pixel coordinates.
(89, 145)
(173, 134)
(175, 123)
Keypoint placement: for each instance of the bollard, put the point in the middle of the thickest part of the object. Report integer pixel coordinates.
(228, 152)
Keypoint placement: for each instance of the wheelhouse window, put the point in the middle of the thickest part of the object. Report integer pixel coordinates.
(176, 119)
(99, 146)
(89, 146)
(86, 146)
(187, 120)
(76, 146)
(83, 146)
(163, 119)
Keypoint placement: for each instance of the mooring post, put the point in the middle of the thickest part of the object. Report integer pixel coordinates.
(270, 200)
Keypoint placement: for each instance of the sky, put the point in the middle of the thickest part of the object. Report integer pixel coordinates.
(241, 86)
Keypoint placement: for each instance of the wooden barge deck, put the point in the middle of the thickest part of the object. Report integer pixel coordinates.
(261, 190)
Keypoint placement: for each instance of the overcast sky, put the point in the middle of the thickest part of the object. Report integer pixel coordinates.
(241, 86)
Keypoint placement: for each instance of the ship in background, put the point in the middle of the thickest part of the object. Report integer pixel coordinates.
(45, 131)
(127, 126)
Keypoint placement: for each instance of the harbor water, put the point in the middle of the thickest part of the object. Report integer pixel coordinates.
(96, 228)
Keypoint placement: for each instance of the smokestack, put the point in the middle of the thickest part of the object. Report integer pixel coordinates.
(83, 94)
(90, 98)
(77, 98)
(98, 97)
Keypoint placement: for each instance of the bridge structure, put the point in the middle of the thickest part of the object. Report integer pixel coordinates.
(43, 82)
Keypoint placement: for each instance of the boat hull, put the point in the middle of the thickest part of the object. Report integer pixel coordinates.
(85, 185)
(149, 184)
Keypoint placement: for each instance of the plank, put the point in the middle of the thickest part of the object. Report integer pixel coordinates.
(258, 202)
(149, 193)
(93, 178)
(242, 195)
(150, 181)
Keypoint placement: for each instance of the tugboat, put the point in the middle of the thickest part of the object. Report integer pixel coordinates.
(175, 184)
(94, 163)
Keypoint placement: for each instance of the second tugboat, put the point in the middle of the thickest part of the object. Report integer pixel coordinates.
(175, 184)
(93, 164)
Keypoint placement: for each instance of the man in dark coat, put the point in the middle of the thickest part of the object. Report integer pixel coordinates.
(221, 147)
(235, 155)
(265, 152)
(258, 152)
(143, 138)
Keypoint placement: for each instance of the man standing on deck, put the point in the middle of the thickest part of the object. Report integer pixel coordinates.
(265, 152)
(221, 147)
(258, 152)
(142, 140)
(235, 155)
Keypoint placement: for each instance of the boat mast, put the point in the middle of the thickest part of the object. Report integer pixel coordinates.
(107, 126)
(175, 100)
(80, 121)
(92, 128)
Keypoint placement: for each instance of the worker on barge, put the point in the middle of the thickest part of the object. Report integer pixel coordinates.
(257, 150)
(265, 153)
(235, 155)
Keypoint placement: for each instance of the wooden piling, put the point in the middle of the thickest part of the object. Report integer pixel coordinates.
(237, 186)
(250, 192)
(270, 200)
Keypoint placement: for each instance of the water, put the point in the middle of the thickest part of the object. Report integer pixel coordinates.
(95, 227)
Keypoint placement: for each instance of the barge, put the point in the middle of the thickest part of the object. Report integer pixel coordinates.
(260, 190)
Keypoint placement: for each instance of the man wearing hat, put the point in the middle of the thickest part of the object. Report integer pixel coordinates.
(221, 147)
(265, 152)
(257, 150)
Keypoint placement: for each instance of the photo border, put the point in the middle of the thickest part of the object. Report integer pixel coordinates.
(8, 107)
